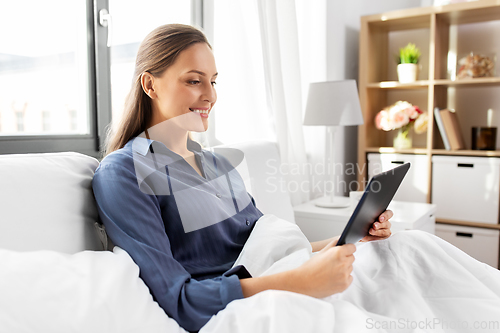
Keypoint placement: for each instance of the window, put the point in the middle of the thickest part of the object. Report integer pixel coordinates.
(73, 119)
(43, 65)
(132, 21)
(57, 76)
(46, 121)
(20, 121)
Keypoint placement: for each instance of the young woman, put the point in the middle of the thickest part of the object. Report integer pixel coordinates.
(164, 199)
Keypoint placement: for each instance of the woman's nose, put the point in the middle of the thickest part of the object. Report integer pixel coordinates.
(210, 95)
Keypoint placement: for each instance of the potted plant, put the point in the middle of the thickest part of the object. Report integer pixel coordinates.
(408, 63)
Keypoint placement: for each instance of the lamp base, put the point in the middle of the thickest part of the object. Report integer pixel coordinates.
(327, 202)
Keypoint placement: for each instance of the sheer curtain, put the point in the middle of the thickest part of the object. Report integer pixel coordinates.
(241, 112)
(280, 49)
(259, 85)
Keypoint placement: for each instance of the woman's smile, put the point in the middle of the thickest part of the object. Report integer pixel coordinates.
(202, 111)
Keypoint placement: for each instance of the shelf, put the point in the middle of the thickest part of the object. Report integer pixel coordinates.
(478, 81)
(423, 151)
(437, 31)
(469, 12)
(459, 13)
(396, 85)
(419, 151)
(469, 224)
(400, 20)
(489, 153)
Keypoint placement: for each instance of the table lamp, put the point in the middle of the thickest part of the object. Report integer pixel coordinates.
(333, 104)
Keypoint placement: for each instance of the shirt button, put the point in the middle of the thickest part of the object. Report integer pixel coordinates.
(247, 222)
(219, 195)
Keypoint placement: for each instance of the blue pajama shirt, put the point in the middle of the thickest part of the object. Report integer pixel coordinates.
(184, 231)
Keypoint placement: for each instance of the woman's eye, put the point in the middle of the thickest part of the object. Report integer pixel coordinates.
(214, 83)
(194, 82)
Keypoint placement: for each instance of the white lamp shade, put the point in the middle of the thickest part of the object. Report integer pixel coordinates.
(333, 103)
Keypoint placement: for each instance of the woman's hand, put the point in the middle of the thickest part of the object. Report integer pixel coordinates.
(326, 273)
(380, 229)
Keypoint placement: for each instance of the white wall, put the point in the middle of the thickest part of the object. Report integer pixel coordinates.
(342, 47)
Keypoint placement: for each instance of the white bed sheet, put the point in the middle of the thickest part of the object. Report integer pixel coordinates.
(412, 282)
(98, 292)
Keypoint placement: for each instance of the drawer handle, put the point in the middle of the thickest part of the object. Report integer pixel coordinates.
(465, 165)
(397, 162)
(464, 234)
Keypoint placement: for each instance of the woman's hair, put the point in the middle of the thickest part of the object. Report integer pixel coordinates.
(157, 52)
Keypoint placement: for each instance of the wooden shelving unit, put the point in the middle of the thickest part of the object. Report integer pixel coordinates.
(436, 29)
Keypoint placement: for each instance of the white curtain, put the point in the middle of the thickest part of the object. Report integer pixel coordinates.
(280, 49)
(256, 47)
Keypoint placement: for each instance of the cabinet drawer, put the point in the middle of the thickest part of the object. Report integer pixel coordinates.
(466, 188)
(414, 186)
(481, 244)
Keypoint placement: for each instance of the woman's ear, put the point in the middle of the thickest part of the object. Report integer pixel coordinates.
(147, 83)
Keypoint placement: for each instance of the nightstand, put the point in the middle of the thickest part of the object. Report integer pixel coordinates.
(321, 223)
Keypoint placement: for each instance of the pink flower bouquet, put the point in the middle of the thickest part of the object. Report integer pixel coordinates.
(401, 115)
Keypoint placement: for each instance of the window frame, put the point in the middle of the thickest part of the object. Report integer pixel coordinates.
(83, 143)
(99, 94)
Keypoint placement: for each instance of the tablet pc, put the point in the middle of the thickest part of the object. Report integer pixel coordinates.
(377, 196)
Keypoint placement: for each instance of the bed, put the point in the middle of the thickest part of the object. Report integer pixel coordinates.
(56, 275)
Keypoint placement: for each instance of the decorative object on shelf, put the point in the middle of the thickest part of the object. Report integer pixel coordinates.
(440, 125)
(485, 138)
(333, 104)
(408, 63)
(452, 129)
(475, 65)
(402, 116)
(403, 139)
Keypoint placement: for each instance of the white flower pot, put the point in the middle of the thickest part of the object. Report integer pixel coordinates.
(407, 73)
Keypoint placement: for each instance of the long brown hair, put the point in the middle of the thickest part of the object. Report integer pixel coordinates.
(157, 52)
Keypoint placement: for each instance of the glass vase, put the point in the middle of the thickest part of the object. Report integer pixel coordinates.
(402, 140)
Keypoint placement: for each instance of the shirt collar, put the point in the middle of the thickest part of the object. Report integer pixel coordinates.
(141, 144)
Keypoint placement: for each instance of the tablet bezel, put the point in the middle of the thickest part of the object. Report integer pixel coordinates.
(373, 203)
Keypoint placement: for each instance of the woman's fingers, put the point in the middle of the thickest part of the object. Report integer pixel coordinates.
(379, 226)
(380, 229)
(386, 216)
(386, 232)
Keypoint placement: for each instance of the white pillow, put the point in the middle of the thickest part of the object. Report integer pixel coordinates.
(47, 203)
(47, 291)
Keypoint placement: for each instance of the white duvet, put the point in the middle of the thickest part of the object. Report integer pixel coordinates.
(411, 282)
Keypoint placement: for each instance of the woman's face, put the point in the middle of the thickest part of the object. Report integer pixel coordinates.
(185, 93)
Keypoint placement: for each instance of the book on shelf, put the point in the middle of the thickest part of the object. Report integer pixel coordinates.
(452, 129)
(439, 123)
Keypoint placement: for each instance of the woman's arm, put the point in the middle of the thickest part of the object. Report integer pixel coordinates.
(380, 229)
(326, 273)
(133, 221)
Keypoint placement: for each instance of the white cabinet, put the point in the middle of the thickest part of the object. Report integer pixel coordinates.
(480, 243)
(466, 188)
(414, 185)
